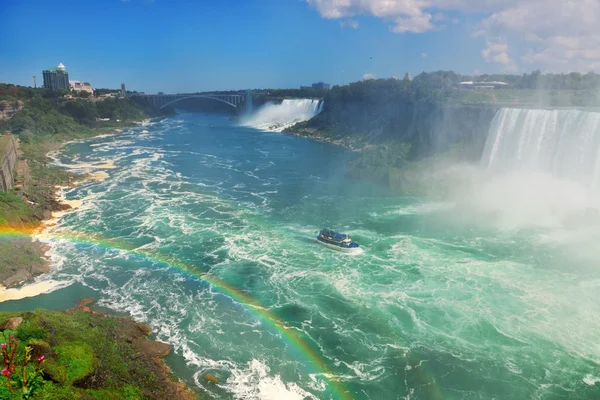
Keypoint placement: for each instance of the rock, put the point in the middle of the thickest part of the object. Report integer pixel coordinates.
(86, 309)
(144, 328)
(9, 108)
(211, 378)
(86, 302)
(12, 323)
(18, 277)
(38, 269)
(154, 349)
(40, 348)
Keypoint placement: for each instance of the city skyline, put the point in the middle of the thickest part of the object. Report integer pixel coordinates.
(184, 47)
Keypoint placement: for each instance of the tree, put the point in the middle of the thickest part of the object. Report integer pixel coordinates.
(14, 92)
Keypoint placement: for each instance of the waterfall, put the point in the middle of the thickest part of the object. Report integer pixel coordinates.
(277, 117)
(562, 143)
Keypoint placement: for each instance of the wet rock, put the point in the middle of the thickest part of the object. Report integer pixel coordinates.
(145, 329)
(18, 277)
(211, 378)
(86, 302)
(42, 268)
(154, 349)
(12, 323)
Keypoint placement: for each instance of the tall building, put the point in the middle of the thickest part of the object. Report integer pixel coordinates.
(321, 86)
(56, 78)
(123, 91)
(407, 77)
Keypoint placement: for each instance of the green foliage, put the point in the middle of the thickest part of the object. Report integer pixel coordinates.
(13, 210)
(77, 358)
(82, 111)
(40, 117)
(30, 330)
(82, 345)
(21, 369)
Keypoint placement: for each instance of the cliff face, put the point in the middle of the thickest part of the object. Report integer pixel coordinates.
(427, 128)
(9, 108)
(400, 141)
(436, 129)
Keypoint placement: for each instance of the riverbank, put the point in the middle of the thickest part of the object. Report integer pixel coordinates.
(346, 142)
(85, 354)
(39, 205)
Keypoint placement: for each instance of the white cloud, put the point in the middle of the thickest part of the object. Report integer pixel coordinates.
(423, 55)
(555, 35)
(497, 52)
(368, 75)
(349, 23)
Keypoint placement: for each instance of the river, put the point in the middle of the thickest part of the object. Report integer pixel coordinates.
(226, 269)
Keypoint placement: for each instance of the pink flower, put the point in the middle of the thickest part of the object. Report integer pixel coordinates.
(6, 372)
(3, 345)
(41, 358)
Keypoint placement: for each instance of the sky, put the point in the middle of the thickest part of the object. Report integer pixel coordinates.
(179, 46)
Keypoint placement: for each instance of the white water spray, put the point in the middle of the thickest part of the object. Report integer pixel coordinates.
(277, 117)
(541, 168)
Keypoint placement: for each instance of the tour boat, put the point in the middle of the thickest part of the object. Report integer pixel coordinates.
(338, 241)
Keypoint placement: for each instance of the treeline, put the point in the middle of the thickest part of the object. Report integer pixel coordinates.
(45, 112)
(384, 108)
(535, 80)
(299, 93)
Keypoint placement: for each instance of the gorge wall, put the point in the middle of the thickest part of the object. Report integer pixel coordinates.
(9, 108)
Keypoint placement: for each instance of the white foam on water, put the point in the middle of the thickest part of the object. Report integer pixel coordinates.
(256, 383)
(591, 380)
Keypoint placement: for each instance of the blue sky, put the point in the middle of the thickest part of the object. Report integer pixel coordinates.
(185, 45)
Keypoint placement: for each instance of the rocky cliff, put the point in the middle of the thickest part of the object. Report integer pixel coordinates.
(9, 108)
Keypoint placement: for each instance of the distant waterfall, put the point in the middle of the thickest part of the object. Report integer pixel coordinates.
(563, 143)
(277, 117)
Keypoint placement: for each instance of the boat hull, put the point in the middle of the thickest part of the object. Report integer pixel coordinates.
(348, 250)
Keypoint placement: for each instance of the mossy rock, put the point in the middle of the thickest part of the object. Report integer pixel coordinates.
(40, 348)
(77, 358)
(54, 372)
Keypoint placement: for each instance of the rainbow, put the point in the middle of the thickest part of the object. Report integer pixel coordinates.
(338, 390)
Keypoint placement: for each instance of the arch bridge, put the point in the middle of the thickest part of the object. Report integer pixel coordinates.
(161, 101)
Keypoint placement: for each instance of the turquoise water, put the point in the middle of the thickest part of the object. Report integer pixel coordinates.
(439, 306)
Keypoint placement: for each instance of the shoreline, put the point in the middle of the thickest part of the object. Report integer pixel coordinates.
(24, 284)
(338, 143)
(151, 352)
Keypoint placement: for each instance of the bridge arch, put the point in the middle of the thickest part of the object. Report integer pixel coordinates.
(199, 96)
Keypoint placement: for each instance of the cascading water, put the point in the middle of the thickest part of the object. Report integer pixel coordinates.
(563, 143)
(277, 117)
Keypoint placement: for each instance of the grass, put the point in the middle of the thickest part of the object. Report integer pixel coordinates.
(88, 356)
(77, 359)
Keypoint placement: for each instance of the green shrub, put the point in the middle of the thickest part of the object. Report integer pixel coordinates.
(29, 330)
